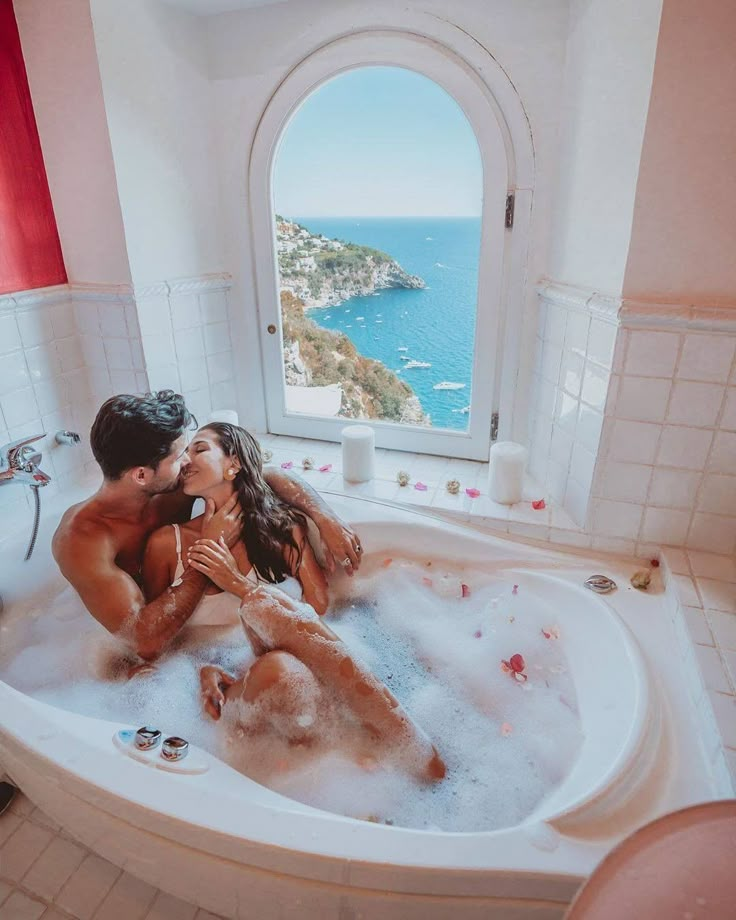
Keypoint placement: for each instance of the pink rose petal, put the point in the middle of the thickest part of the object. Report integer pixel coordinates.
(477, 634)
(506, 729)
(465, 590)
(472, 493)
(539, 505)
(427, 581)
(420, 487)
(551, 632)
(326, 468)
(386, 563)
(287, 465)
(515, 589)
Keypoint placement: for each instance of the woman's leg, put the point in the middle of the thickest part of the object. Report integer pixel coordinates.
(281, 623)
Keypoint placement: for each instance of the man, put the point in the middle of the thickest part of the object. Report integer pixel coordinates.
(140, 443)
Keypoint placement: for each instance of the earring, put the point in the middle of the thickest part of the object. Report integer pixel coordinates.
(230, 474)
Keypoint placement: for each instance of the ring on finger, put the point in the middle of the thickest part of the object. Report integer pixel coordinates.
(347, 561)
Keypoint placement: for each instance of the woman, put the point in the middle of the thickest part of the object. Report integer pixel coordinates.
(298, 655)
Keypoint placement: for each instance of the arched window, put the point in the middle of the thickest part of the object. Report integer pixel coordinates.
(378, 193)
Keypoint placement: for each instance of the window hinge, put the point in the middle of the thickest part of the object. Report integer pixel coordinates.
(509, 221)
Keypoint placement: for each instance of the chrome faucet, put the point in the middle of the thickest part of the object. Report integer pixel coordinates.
(19, 462)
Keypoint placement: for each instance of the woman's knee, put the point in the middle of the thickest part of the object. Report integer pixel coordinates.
(271, 670)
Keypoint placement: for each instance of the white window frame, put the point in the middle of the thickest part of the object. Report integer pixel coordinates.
(437, 63)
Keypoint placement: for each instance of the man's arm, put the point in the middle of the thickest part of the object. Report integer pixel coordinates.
(339, 541)
(115, 600)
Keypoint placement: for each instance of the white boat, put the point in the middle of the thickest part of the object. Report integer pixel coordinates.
(379, 320)
(404, 358)
(448, 385)
(418, 364)
(359, 319)
(463, 411)
(403, 347)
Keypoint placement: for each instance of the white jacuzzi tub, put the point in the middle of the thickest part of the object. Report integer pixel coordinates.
(222, 841)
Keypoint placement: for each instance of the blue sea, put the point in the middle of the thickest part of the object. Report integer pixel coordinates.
(436, 324)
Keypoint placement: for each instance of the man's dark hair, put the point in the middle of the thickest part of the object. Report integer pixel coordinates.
(134, 431)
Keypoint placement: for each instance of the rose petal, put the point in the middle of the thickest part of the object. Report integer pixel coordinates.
(515, 589)
(539, 505)
(654, 563)
(326, 468)
(517, 663)
(427, 581)
(472, 493)
(506, 667)
(420, 487)
(386, 563)
(465, 590)
(506, 729)
(287, 465)
(551, 632)
(477, 634)
(520, 677)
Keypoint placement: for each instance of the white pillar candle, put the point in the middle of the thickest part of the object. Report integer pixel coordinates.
(358, 453)
(506, 472)
(228, 416)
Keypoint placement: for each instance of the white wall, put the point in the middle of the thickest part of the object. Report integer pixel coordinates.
(250, 53)
(61, 62)
(608, 79)
(155, 86)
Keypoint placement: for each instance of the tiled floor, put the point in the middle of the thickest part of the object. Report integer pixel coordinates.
(46, 875)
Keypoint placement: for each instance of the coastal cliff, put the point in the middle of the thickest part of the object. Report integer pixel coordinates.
(324, 272)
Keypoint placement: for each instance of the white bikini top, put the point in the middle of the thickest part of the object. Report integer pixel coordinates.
(221, 609)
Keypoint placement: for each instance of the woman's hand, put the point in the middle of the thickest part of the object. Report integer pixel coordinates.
(214, 559)
(214, 682)
(340, 544)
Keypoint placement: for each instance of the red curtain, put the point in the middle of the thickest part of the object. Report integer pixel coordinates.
(30, 252)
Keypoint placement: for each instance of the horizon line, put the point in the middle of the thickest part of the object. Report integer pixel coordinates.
(383, 216)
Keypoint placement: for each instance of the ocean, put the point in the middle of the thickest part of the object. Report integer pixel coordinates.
(436, 325)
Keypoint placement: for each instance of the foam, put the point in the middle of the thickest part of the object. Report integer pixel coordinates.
(506, 744)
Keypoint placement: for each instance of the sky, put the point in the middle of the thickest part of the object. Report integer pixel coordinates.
(378, 142)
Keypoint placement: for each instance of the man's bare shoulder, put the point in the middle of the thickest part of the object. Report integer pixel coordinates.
(81, 525)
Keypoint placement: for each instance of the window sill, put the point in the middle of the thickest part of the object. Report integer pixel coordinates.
(551, 524)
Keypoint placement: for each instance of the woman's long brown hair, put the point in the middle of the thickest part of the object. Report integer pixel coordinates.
(268, 523)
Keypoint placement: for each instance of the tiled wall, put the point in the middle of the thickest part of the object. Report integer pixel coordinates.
(44, 385)
(633, 422)
(574, 355)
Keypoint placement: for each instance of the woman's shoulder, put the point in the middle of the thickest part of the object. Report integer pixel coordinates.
(162, 538)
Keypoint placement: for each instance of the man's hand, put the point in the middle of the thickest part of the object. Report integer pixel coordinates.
(340, 544)
(214, 559)
(214, 682)
(225, 523)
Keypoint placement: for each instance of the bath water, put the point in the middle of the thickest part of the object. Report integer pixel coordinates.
(507, 738)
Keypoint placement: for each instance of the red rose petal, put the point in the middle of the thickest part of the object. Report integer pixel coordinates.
(539, 505)
(654, 563)
(466, 590)
(472, 493)
(427, 581)
(517, 663)
(386, 563)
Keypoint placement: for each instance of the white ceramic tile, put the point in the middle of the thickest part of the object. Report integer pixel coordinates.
(712, 669)
(614, 545)
(696, 404)
(576, 501)
(185, 311)
(684, 447)
(582, 466)
(20, 906)
(557, 477)
(199, 403)
(571, 375)
(216, 338)
(52, 869)
(590, 425)
(566, 412)
(70, 353)
(642, 399)
(22, 849)
(576, 333)
(85, 317)
(718, 494)
(62, 320)
(119, 357)
(723, 458)
(93, 351)
(154, 316)
(164, 377)
(674, 488)
(617, 519)
(728, 419)
(601, 341)
(626, 482)
(189, 343)
(729, 659)
(723, 627)
(551, 362)
(35, 327)
(136, 352)
(697, 626)
(123, 381)
(652, 354)
(685, 587)
(112, 320)
(717, 595)
(19, 407)
(595, 386)
(561, 446)
(10, 822)
(223, 394)
(546, 398)
(159, 348)
(99, 384)
(724, 709)
(43, 362)
(706, 357)
(708, 565)
(713, 533)
(193, 374)
(634, 442)
(213, 307)
(220, 367)
(131, 321)
(13, 372)
(554, 328)
(677, 560)
(86, 888)
(129, 897)
(9, 334)
(665, 526)
(167, 907)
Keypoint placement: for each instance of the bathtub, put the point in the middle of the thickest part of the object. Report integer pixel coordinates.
(213, 837)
